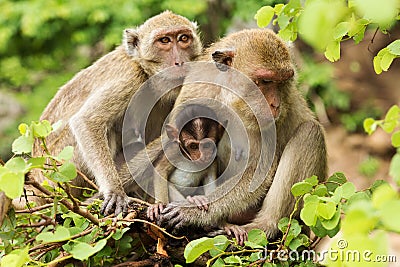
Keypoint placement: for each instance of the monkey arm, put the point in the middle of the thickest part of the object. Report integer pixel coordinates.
(232, 197)
(91, 126)
(303, 156)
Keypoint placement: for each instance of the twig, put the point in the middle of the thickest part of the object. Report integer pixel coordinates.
(67, 204)
(140, 201)
(32, 210)
(315, 243)
(92, 184)
(2, 163)
(39, 247)
(256, 263)
(155, 225)
(70, 196)
(372, 40)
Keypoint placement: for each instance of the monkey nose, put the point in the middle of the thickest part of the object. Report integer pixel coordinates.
(178, 64)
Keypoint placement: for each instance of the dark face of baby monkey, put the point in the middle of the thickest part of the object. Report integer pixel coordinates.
(199, 135)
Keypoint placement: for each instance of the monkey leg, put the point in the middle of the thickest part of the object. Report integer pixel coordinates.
(303, 156)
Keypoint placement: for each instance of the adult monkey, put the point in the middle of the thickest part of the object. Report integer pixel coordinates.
(93, 103)
(300, 149)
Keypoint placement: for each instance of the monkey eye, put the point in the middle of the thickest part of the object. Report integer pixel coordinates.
(194, 146)
(184, 38)
(165, 40)
(264, 81)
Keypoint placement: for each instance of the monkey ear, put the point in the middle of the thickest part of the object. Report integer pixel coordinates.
(131, 42)
(223, 57)
(172, 132)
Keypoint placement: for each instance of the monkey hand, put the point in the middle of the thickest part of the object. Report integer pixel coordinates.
(115, 202)
(154, 211)
(237, 231)
(200, 201)
(173, 216)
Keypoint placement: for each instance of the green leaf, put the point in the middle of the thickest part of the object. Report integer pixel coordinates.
(294, 230)
(197, 247)
(16, 258)
(393, 114)
(382, 195)
(66, 154)
(341, 30)
(390, 215)
(387, 60)
(60, 234)
(22, 145)
(394, 47)
(335, 180)
(221, 242)
(320, 190)
(369, 125)
(119, 233)
(36, 162)
(301, 240)
(331, 223)
(326, 210)
(23, 128)
(317, 22)
(17, 164)
(66, 173)
(376, 185)
(283, 21)
(348, 190)
(332, 52)
(12, 183)
(301, 188)
(264, 16)
(378, 12)
(377, 64)
(309, 213)
(233, 260)
(41, 129)
(394, 169)
(396, 139)
(313, 180)
(82, 251)
(258, 237)
(219, 263)
(360, 218)
(308, 198)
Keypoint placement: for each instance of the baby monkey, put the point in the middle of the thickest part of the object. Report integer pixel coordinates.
(195, 135)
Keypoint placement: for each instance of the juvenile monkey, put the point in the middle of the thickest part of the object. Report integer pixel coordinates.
(300, 143)
(93, 103)
(195, 135)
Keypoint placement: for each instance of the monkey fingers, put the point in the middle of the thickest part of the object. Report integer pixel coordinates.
(237, 231)
(115, 203)
(154, 211)
(200, 201)
(172, 217)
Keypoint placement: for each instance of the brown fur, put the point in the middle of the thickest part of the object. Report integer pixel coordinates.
(93, 103)
(300, 150)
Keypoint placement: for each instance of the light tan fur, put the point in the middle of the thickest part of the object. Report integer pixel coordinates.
(93, 103)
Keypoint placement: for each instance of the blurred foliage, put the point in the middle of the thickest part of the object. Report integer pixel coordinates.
(369, 167)
(316, 79)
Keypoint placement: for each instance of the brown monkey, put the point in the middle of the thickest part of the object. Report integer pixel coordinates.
(300, 143)
(194, 135)
(92, 104)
